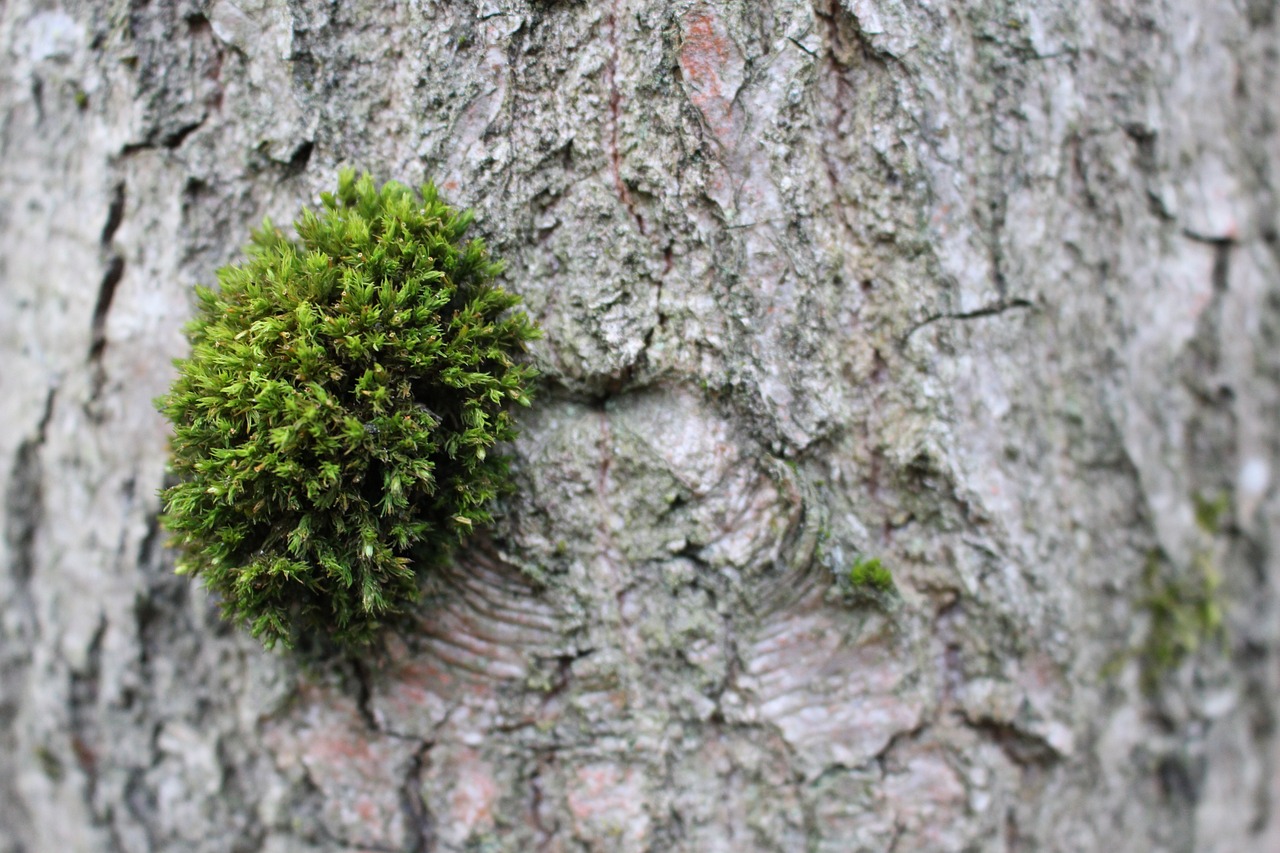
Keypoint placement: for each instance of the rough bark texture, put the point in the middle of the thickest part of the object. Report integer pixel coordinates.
(988, 290)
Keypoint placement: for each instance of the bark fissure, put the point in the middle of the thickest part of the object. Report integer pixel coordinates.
(24, 498)
(994, 310)
(106, 290)
(159, 140)
(417, 817)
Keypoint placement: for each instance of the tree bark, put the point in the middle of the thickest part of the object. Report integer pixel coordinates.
(989, 291)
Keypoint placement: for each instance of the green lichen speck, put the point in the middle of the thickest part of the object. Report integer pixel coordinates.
(335, 423)
(1186, 614)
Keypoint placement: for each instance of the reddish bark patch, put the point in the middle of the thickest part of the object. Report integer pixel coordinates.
(351, 765)
(712, 68)
(607, 803)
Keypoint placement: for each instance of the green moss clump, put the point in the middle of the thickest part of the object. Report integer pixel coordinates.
(335, 424)
(1211, 512)
(1186, 614)
(867, 573)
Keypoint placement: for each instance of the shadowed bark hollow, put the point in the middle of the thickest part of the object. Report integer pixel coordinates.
(989, 291)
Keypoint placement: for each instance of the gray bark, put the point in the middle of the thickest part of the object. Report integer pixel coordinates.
(988, 290)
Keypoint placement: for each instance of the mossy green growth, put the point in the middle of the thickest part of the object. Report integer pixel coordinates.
(335, 424)
(867, 573)
(1186, 614)
(1211, 512)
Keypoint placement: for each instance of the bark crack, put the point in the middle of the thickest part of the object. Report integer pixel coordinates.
(995, 309)
(24, 498)
(106, 291)
(537, 803)
(364, 694)
(1209, 239)
(419, 827)
(169, 141)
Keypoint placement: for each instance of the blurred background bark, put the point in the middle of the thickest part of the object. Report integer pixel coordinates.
(985, 290)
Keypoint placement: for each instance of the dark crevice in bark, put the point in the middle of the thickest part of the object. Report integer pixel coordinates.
(896, 741)
(1000, 65)
(1144, 143)
(546, 835)
(148, 547)
(298, 162)
(167, 141)
(1023, 748)
(419, 825)
(106, 291)
(1222, 267)
(667, 264)
(1209, 239)
(802, 47)
(24, 499)
(115, 214)
(1181, 782)
(987, 311)
(176, 137)
(564, 674)
(364, 693)
(997, 211)
(37, 98)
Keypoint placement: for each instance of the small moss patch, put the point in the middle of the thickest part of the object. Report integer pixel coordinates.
(867, 573)
(1186, 615)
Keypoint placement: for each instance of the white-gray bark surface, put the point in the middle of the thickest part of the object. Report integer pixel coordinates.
(988, 290)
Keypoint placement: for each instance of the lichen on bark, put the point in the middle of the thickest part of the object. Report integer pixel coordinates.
(985, 291)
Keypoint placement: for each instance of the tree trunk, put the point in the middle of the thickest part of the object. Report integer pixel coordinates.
(988, 291)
